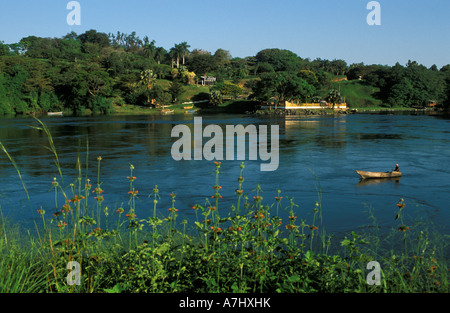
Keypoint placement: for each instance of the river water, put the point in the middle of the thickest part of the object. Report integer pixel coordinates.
(318, 156)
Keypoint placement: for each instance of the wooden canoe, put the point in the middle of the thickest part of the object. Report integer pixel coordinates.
(366, 175)
(54, 113)
(166, 111)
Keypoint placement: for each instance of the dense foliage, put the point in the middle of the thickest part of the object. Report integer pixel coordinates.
(95, 70)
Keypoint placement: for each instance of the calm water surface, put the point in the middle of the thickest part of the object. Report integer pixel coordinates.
(318, 156)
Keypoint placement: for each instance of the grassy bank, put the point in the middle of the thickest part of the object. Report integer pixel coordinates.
(357, 94)
(249, 247)
(380, 109)
(230, 106)
(302, 112)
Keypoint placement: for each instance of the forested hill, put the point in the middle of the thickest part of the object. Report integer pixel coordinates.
(97, 71)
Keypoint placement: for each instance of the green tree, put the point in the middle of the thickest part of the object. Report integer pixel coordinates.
(215, 98)
(13, 74)
(70, 48)
(99, 83)
(445, 70)
(162, 70)
(160, 54)
(27, 85)
(310, 77)
(201, 62)
(283, 86)
(164, 98)
(265, 67)
(100, 104)
(228, 90)
(38, 83)
(161, 96)
(175, 90)
(148, 79)
(149, 48)
(94, 37)
(410, 85)
(222, 58)
(156, 92)
(37, 47)
(173, 53)
(77, 85)
(114, 63)
(281, 60)
(179, 51)
(4, 49)
(184, 50)
(338, 67)
(239, 69)
(359, 70)
(333, 96)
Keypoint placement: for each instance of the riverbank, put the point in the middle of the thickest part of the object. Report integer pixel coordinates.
(237, 107)
(248, 107)
(378, 109)
(287, 112)
(364, 110)
(251, 107)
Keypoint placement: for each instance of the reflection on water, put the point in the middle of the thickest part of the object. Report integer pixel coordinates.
(373, 181)
(377, 136)
(318, 154)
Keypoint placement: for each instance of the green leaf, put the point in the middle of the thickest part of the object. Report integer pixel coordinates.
(116, 289)
(294, 278)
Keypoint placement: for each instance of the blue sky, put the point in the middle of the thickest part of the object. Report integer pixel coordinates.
(327, 29)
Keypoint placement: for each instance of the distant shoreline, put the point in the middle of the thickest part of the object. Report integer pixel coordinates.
(233, 107)
(281, 112)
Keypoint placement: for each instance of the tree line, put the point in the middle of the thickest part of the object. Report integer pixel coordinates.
(95, 70)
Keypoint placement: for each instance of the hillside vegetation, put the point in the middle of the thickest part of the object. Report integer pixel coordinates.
(358, 94)
(97, 72)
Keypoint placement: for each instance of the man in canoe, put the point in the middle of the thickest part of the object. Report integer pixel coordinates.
(397, 168)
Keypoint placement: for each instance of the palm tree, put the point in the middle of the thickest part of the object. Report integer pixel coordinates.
(179, 51)
(184, 49)
(160, 53)
(215, 97)
(333, 96)
(150, 49)
(175, 55)
(147, 79)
